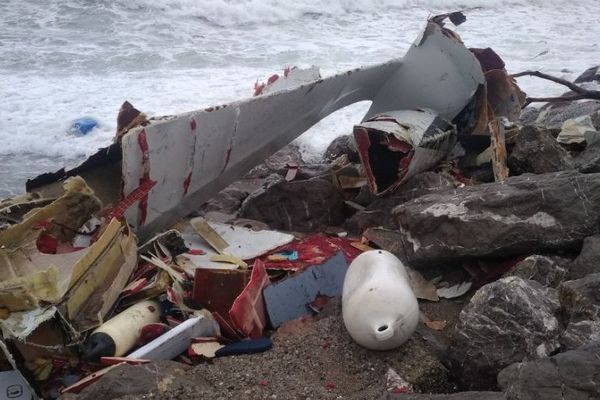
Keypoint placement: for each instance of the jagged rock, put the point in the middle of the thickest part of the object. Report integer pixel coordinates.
(549, 271)
(588, 260)
(589, 75)
(341, 145)
(157, 379)
(529, 115)
(289, 155)
(580, 298)
(506, 321)
(453, 396)
(553, 115)
(379, 212)
(580, 333)
(572, 375)
(229, 200)
(588, 161)
(524, 215)
(536, 151)
(303, 206)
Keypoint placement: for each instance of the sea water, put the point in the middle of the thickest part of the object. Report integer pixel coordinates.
(62, 60)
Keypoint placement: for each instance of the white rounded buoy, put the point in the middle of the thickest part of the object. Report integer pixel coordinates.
(379, 307)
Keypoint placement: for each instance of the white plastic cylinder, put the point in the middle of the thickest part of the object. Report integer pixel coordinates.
(379, 307)
(119, 334)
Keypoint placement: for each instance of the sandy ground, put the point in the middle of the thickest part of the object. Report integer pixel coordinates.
(312, 358)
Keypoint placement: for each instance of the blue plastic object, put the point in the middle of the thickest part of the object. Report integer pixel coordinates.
(83, 126)
(245, 347)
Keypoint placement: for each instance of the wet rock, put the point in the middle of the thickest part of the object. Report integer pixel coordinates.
(526, 214)
(538, 152)
(588, 260)
(506, 321)
(553, 115)
(580, 298)
(453, 396)
(303, 206)
(162, 379)
(341, 145)
(580, 333)
(379, 212)
(572, 375)
(589, 75)
(549, 271)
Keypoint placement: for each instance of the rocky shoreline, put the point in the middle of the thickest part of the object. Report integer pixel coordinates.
(529, 328)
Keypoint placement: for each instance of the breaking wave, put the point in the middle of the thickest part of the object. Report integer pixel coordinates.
(236, 12)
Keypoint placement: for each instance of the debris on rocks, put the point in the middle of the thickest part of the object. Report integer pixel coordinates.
(191, 253)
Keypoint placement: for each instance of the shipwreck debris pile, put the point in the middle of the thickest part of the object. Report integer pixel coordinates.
(189, 259)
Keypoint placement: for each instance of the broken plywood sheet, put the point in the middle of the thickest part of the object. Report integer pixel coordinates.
(242, 243)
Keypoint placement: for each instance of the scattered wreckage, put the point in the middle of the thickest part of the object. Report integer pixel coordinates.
(79, 294)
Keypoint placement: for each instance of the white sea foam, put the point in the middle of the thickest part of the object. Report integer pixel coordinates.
(63, 60)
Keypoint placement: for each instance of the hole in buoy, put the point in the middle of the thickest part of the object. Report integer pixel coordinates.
(379, 252)
(382, 328)
(151, 308)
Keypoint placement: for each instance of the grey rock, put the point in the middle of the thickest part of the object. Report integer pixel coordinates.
(155, 380)
(341, 145)
(580, 333)
(553, 115)
(572, 375)
(506, 321)
(588, 161)
(229, 200)
(529, 115)
(379, 212)
(536, 151)
(453, 396)
(289, 155)
(589, 75)
(549, 271)
(580, 298)
(303, 206)
(588, 260)
(524, 215)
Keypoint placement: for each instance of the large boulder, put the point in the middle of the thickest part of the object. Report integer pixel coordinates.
(379, 212)
(160, 379)
(525, 215)
(452, 396)
(580, 301)
(572, 375)
(588, 161)
(580, 298)
(537, 151)
(589, 75)
(302, 206)
(548, 270)
(342, 145)
(507, 321)
(588, 260)
(553, 115)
